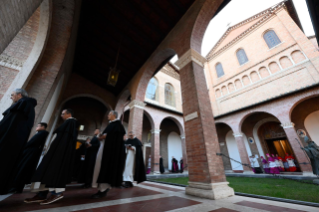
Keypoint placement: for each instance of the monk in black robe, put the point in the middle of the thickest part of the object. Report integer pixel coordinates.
(162, 170)
(134, 164)
(181, 162)
(112, 162)
(92, 147)
(15, 128)
(174, 165)
(30, 158)
(55, 169)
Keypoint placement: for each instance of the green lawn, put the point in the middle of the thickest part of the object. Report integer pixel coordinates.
(266, 187)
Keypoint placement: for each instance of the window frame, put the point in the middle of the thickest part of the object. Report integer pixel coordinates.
(173, 100)
(246, 61)
(156, 90)
(222, 69)
(268, 31)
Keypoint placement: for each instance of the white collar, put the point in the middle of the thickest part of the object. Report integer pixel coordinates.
(114, 120)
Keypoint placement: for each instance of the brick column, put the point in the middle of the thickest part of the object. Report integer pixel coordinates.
(240, 140)
(135, 122)
(299, 153)
(184, 152)
(206, 171)
(155, 150)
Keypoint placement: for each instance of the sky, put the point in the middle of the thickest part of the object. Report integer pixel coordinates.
(239, 10)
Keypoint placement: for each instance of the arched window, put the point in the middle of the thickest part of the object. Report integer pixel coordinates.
(241, 56)
(219, 70)
(169, 95)
(152, 89)
(271, 39)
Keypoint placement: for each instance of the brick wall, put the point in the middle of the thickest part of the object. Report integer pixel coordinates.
(18, 50)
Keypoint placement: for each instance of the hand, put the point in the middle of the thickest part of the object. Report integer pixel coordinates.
(89, 145)
(102, 137)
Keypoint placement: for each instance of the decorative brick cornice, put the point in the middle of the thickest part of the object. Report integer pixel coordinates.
(137, 104)
(288, 125)
(191, 55)
(10, 62)
(267, 15)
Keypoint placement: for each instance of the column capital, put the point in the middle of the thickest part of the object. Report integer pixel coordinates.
(182, 136)
(288, 125)
(238, 135)
(191, 55)
(137, 104)
(155, 131)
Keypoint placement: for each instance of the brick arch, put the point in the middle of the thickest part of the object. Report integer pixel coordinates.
(246, 80)
(218, 93)
(238, 83)
(224, 90)
(302, 99)
(142, 78)
(177, 122)
(85, 95)
(263, 72)
(249, 113)
(122, 101)
(254, 76)
(150, 119)
(298, 56)
(274, 67)
(285, 62)
(207, 11)
(225, 123)
(231, 87)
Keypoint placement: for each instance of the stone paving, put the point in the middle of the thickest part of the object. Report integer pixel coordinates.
(144, 197)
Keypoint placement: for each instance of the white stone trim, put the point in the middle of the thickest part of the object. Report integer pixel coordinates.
(288, 125)
(137, 104)
(191, 55)
(191, 116)
(255, 133)
(238, 135)
(10, 62)
(156, 131)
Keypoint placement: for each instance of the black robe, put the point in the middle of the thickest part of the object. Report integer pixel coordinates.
(15, 128)
(139, 168)
(29, 160)
(78, 163)
(55, 169)
(162, 170)
(113, 160)
(86, 175)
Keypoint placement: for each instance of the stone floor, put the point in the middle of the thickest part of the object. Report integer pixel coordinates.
(145, 197)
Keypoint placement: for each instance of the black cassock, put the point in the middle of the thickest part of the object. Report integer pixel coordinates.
(86, 175)
(139, 168)
(29, 160)
(113, 160)
(79, 163)
(162, 170)
(15, 128)
(55, 169)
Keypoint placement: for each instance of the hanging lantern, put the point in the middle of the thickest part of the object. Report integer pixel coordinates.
(113, 77)
(114, 73)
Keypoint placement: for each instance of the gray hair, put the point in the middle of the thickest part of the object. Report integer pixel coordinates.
(114, 113)
(21, 91)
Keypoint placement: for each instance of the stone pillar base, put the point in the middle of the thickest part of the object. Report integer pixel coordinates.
(309, 174)
(248, 172)
(210, 190)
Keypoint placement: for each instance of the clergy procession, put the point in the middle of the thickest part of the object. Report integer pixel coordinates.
(106, 161)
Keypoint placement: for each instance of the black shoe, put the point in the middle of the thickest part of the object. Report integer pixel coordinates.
(128, 184)
(100, 194)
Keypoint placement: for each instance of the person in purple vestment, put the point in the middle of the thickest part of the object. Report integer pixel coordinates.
(272, 165)
(265, 165)
(174, 165)
(277, 162)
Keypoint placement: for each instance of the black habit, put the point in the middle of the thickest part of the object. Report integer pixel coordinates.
(29, 160)
(15, 128)
(79, 163)
(55, 169)
(139, 168)
(113, 160)
(89, 163)
(162, 170)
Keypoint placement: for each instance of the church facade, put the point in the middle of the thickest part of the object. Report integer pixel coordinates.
(262, 78)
